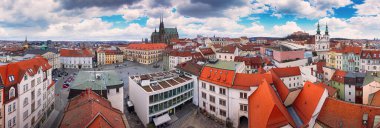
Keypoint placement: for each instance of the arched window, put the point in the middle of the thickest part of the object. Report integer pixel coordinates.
(12, 92)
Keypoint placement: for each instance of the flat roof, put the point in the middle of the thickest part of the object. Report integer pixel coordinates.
(159, 80)
(96, 80)
(221, 64)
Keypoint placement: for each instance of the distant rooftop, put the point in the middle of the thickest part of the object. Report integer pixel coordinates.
(96, 80)
(221, 64)
(159, 80)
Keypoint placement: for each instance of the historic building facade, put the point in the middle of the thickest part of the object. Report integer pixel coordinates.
(164, 35)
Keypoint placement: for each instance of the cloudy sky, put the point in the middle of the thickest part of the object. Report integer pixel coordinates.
(136, 19)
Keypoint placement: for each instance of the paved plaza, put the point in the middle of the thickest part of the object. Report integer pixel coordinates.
(187, 117)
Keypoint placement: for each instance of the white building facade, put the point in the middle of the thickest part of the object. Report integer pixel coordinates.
(159, 94)
(29, 96)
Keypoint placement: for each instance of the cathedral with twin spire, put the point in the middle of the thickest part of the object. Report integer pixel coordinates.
(322, 43)
(164, 35)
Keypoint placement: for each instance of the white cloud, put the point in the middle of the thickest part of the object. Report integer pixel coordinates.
(305, 9)
(369, 7)
(286, 29)
(358, 27)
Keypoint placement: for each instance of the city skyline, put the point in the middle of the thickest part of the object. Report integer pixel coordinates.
(136, 19)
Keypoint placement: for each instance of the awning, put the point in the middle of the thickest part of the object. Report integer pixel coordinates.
(161, 119)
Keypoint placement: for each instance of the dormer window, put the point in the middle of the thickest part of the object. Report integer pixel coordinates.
(25, 77)
(11, 78)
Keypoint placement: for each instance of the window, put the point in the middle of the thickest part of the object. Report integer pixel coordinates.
(14, 121)
(243, 107)
(25, 115)
(10, 123)
(222, 91)
(212, 88)
(14, 106)
(39, 92)
(12, 92)
(25, 77)
(203, 95)
(25, 87)
(222, 102)
(212, 99)
(349, 93)
(117, 90)
(243, 95)
(11, 78)
(10, 108)
(204, 104)
(212, 108)
(203, 85)
(222, 112)
(26, 102)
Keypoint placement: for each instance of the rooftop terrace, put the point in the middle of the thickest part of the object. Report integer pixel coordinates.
(160, 80)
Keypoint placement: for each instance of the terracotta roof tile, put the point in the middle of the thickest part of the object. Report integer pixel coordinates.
(375, 99)
(245, 81)
(19, 69)
(217, 76)
(336, 113)
(338, 76)
(265, 110)
(207, 51)
(287, 72)
(85, 109)
(331, 90)
(370, 54)
(251, 61)
(307, 101)
(143, 46)
(75, 53)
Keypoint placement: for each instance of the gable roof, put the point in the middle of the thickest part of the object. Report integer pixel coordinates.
(266, 110)
(282, 90)
(19, 69)
(338, 76)
(307, 101)
(228, 49)
(84, 110)
(287, 72)
(251, 61)
(222, 77)
(190, 67)
(75, 53)
(206, 51)
(374, 99)
(336, 113)
(245, 81)
(331, 90)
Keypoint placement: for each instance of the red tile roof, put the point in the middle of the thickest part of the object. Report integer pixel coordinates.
(370, 54)
(281, 88)
(91, 109)
(320, 65)
(206, 51)
(375, 99)
(19, 69)
(180, 53)
(110, 52)
(307, 101)
(245, 81)
(287, 72)
(336, 113)
(217, 76)
(349, 49)
(331, 90)
(250, 61)
(338, 76)
(143, 46)
(190, 67)
(228, 49)
(75, 53)
(265, 110)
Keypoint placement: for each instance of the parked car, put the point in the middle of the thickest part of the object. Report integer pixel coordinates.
(65, 85)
